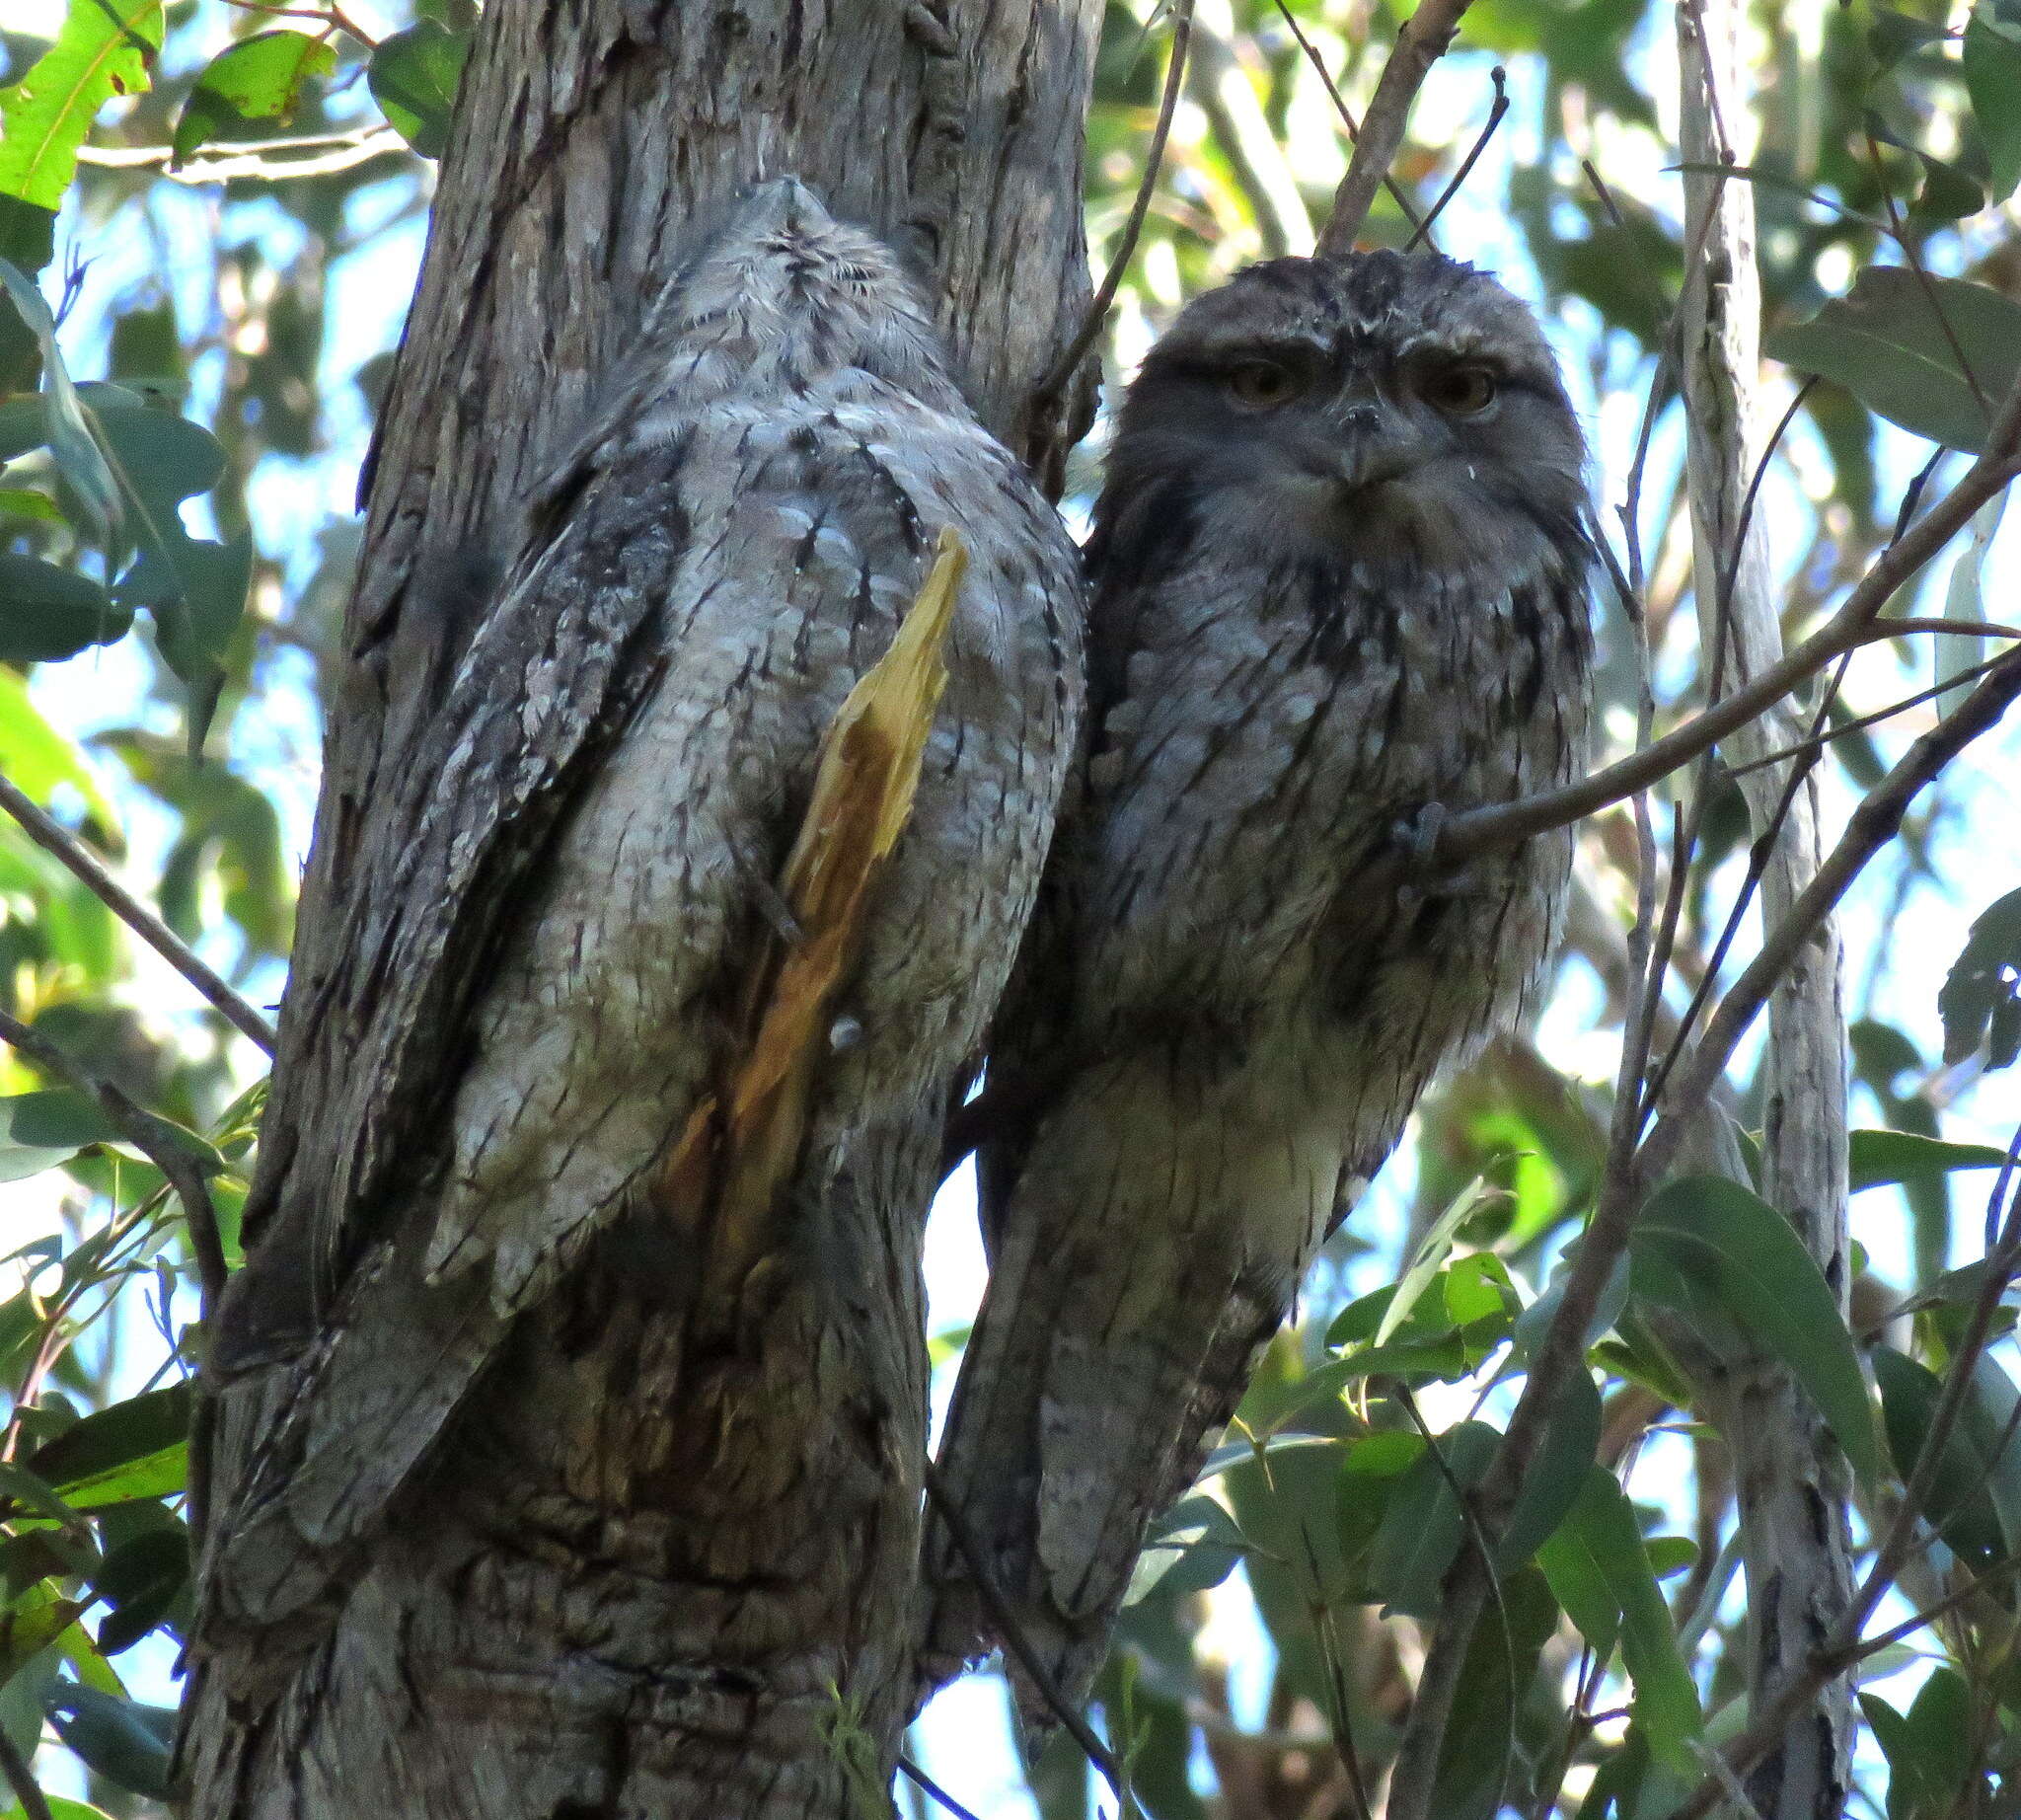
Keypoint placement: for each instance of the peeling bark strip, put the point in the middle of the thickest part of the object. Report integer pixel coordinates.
(648, 1565)
(1791, 1484)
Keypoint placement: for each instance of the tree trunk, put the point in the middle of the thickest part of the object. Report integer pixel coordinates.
(1791, 1483)
(661, 1566)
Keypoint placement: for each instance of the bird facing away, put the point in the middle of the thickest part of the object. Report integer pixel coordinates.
(1339, 589)
(726, 550)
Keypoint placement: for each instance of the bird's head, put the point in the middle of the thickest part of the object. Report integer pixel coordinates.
(1382, 408)
(783, 292)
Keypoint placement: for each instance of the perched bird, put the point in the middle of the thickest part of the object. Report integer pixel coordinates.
(619, 767)
(1339, 591)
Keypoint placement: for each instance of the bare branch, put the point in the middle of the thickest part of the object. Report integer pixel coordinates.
(931, 1790)
(1347, 120)
(20, 1779)
(1857, 622)
(1068, 364)
(55, 839)
(1421, 43)
(1014, 1638)
(1873, 825)
(1499, 107)
(256, 160)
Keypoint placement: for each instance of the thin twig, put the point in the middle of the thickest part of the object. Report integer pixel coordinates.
(1479, 831)
(930, 1788)
(1500, 78)
(1817, 742)
(1874, 823)
(20, 1779)
(181, 1169)
(1424, 40)
(55, 839)
(331, 16)
(1347, 120)
(1013, 1632)
(254, 163)
(1068, 364)
(1924, 282)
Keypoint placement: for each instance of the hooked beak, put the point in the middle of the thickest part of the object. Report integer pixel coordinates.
(1372, 446)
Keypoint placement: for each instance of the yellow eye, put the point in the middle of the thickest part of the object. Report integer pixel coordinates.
(1263, 385)
(1460, 390)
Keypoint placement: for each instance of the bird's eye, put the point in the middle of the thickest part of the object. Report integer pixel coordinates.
(1263, 385)
(1460, 390)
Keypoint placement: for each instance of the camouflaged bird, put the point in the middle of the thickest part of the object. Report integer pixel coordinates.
(618, 769)
(1341, 591)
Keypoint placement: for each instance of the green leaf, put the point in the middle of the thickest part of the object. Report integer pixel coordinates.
(1501, 1662)
(159, 1475)
(1705, 1244)
(140, 1580)
(27, 503)
(1980, 997)
(1885, 343)
(1993, 81)
(124, 1741)
(38, 759)
(104, 49)
(27, 1625)
(1431, 1252)
(1600, 1572)
(61, 1807)
(1424, 1524)
(31, 1491)
(415, 76)
(1929, 1749)
(47, 613)
(1193, 1547)
(1882, 1158)
(1557, 1474)
(132, 1432)
(65, 429)
(60, 1118)
(259, 78)
(1959, 1503)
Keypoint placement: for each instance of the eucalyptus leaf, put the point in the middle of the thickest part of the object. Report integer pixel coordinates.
(1600, 1572)
(1889, 341)
(1980, 998)
(414, 75)
(257, 78)
(1708, 1248)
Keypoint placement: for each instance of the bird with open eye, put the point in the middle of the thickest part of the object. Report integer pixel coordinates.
(1340, 589)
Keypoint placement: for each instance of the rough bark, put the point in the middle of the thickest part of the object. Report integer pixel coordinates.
(1791, 1483)
(668, 1565)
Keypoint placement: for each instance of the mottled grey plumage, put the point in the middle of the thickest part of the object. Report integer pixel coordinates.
(1339, 588)
(620, 768)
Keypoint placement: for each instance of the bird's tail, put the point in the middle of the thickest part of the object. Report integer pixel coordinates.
(1151, 1246)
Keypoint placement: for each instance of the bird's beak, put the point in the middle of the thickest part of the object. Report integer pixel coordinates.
(1371, 444)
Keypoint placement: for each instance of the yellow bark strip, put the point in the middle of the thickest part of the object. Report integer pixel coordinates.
(865, 785)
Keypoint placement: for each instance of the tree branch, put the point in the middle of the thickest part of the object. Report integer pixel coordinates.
(1421, 43)
(55, 839)
(20, 1779)
(1068, 364)
(1873, 825)
(1857, 622)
